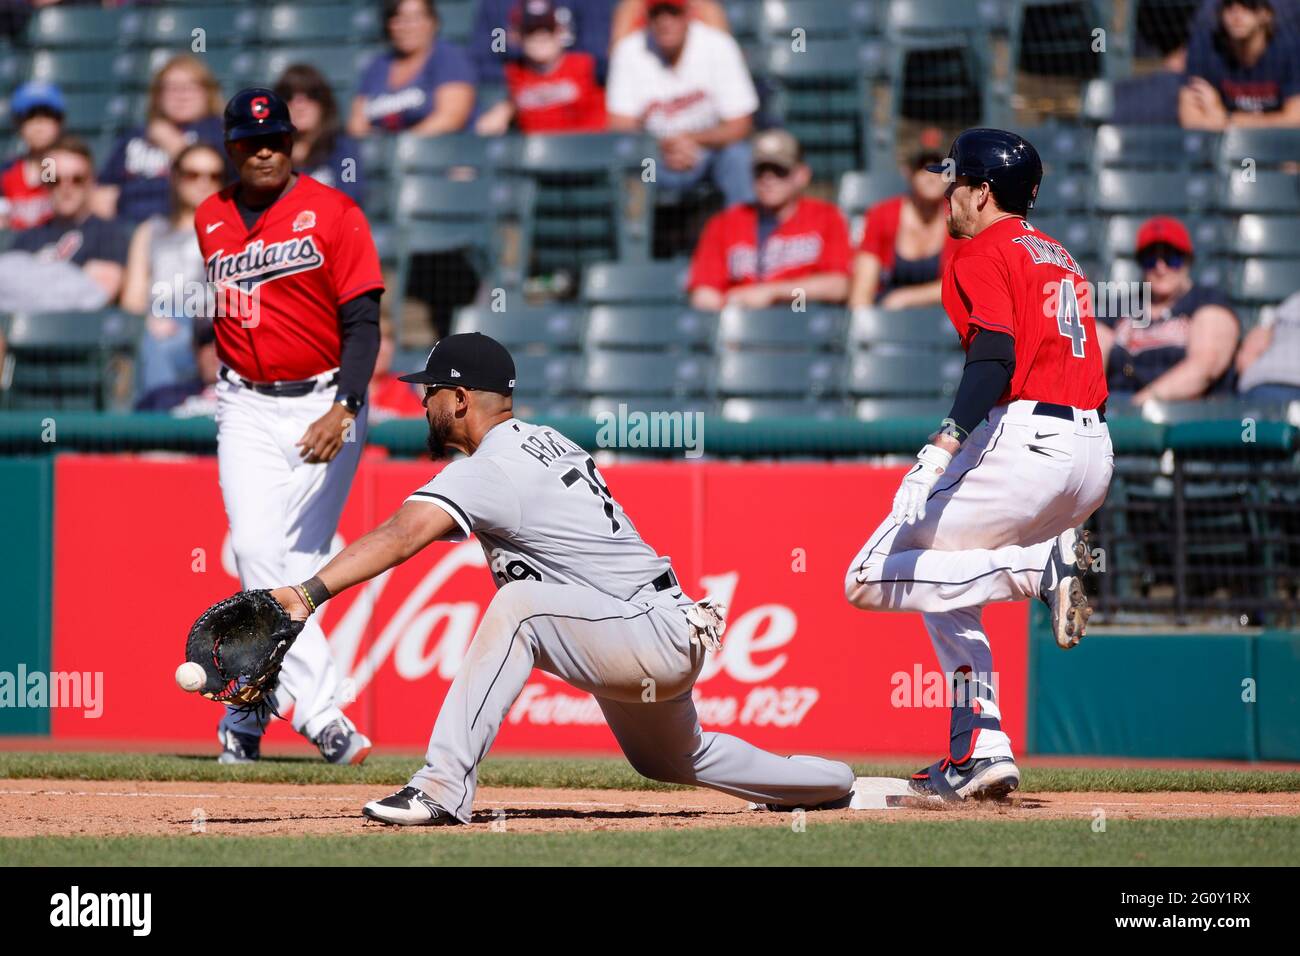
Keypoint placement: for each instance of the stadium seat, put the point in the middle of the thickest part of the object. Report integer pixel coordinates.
(896, 374)
(1054, 38)
(556, 328)
(790, 374)
(1062, 192)
(649, 327)
(76, 26)
(136, 69)
(174, 27)
(941, 78)
(750, 409)
(1061, 145)
(1265, 281)
(1266, 147)
(60, 360)
(924, 327)
(606, 283)
(820, 96)
(75, 69)
(891, 409)
(545, 374)
(455, 151)
(1208, 270)
(742, 20)
(819, 329)
(1154, 147)
(1120, 237)
(609, 406)
(614, 373)
(1077, 233)
(1125, 191)
(90, 113)
(929, 16)
(1266, 191)
(1098, 101)
(456, 21)
(778, 19)
(1267, 236)
(860, 191)
(306, 24)
(339, 64)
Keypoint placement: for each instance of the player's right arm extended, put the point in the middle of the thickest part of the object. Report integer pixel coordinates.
(410, 529)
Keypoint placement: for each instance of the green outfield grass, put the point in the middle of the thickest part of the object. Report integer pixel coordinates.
(580, 774)
(1215, 842)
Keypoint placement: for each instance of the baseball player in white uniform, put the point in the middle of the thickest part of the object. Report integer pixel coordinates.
(581, 596)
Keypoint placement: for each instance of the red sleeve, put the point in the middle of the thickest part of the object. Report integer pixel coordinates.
(709, 264)
(353, 262)
(836, 254)
(881, 230)
(985, 290)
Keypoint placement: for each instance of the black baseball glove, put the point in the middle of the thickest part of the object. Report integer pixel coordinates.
(240, 643)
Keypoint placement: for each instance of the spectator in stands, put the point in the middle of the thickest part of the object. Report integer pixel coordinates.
(421, 84)
(388, 396)
(196, 395)
(1269, 361)
(184, 107)
(38, 116)
(1183, 347)
(905, 244)
(1244, 73)
(164, 271)
(632, 15)
(550, 90)
(320, 147)
(686, 84)
(582, 27)
(75, 234)
(764, 253)
(1152, 98)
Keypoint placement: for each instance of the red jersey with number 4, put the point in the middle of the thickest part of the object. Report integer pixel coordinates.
(279, 285)
(1014, 279)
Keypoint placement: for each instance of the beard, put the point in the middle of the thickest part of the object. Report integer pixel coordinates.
(439, 430)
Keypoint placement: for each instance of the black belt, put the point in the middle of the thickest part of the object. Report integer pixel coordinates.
(1062, 411)
(665, 581)
(279, 389)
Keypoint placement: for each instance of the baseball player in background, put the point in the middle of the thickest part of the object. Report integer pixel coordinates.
(581, 596)
(297, 285)
(991, 509)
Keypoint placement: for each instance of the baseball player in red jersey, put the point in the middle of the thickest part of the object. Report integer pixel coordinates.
(297, 282)
(991, 510)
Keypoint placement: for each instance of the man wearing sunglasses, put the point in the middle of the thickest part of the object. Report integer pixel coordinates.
(296, 284)
(764, 253)
(1245, 72)
(1182, 348)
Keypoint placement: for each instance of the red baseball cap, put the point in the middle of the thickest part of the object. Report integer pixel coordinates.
(1164, 229)
(655, 4)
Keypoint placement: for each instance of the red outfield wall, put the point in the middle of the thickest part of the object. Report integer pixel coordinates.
(141, 548)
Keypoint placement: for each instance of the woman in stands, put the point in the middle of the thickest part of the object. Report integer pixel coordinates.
(320, 147)
(164, 270)
(905, 244)
(184, 108)
(421, 84)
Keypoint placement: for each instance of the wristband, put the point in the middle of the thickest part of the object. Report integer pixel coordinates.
(314, 592)
(953, 430)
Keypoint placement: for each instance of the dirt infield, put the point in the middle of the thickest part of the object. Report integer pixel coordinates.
(134, 808)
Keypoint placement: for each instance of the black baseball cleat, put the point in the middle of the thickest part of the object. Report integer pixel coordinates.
(409, 807)
(237, 747)
(980, 778)
(340, 742)
(1062, 586)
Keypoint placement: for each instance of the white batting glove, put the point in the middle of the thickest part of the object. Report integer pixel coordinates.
(707, 620)
(909, 502)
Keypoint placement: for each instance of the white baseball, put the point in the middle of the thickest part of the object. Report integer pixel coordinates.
(191, 676)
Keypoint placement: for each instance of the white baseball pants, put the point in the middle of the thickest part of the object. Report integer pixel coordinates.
(1019, 481)
(283, 514)
(638, 659)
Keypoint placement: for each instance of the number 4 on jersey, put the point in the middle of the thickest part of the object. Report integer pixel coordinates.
(1067, 318)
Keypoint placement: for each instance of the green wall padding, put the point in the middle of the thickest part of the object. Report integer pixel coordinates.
(26, 547)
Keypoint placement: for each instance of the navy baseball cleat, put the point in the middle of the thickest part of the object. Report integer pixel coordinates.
(342, 743)
(979, 778)
(409, 807)
(238, 748)
(1062, 586)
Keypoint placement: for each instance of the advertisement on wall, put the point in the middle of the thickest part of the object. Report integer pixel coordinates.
(800, 669)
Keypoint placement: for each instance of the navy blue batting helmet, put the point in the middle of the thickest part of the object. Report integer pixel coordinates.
(1007, 162)
(256, 112)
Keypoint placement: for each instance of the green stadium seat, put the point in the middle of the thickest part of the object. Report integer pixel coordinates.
(439, 154)
(859, 191)
(544, 374)
(661, 281)
(91, 69)
(456, 22)
(939, 79)
(306, 24)
(928, 16)
(135, 71)
(60, 360)
(341, 65)
(1266, 147)
(820, 329)
(601, 407)
(1126, 191)
(1062, 192)
(924, 327)
(1120, 236)
(742, 19)
(895, 373)
(1209, 270)
(778, 19)
(1098, 101)
(91, 112)
(76, 26)
(1054, 38)
(891, 409)
(1267, 281)
(650, 327)
(614, 373)
(1267, 236)
(1061, 145)
(790, 374)
(819, 94)
(1154, 147)
(750, 409)
(1077, 233)
(174, 27)
(554, 328)
(1267, 191)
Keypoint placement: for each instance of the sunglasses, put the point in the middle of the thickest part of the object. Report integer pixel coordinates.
(1170, 257)
(193, 175)
(778, 171)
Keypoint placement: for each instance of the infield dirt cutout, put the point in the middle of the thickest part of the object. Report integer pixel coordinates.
(144, 808)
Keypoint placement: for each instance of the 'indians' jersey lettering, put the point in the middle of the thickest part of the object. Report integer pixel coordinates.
(259, 262)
